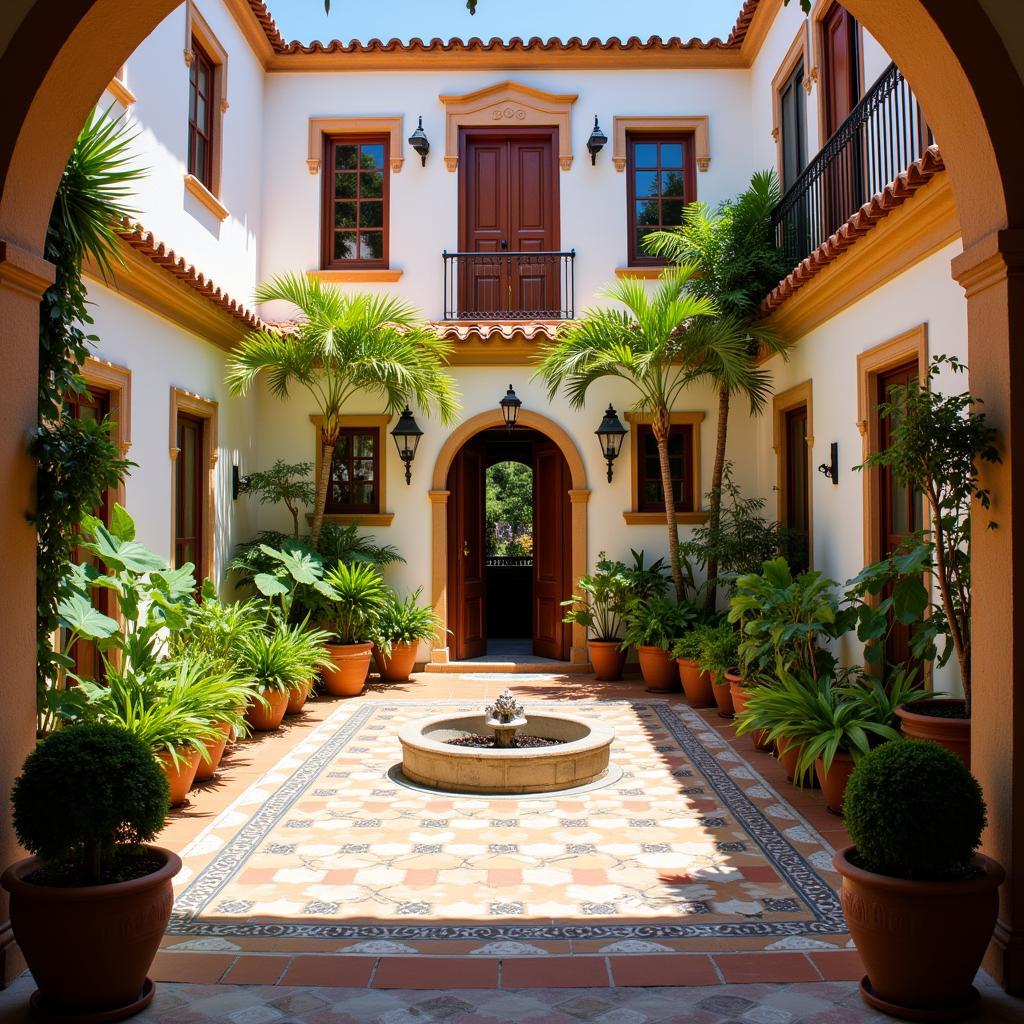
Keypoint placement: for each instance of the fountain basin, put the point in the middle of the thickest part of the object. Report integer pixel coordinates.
(581, 758)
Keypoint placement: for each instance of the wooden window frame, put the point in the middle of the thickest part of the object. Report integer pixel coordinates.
(797, 53)
(378, 422)
(634, 516)
(783, 403)
(327, 201)
(635, 257)
(117, 382)
(818, 72)
(204, 409)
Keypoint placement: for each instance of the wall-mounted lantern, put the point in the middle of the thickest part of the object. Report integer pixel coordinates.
(611, 434)
(407, 436)
(239, 483)
(510, 406)
(419, 141)
(831, 468)
(597, 141)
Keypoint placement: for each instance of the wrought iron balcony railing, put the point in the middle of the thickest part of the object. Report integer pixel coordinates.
(509, 285)
(883, 135)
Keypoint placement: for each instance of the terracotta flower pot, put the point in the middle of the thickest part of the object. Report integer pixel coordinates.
(215, 750)
(739, 704)
(921, 942)
(608, 659)
(181, 774)
(89, 947)
(397, 666)
(350, 665)
(952, 733)
(297, 697)
(266, 717)
(787, 753)
(659, 669)
(722, 692)
(833, 782)
(697, 685)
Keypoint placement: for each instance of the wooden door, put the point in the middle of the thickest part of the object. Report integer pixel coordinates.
(509, 206)
(797, 503)
(793, 111)
(552, 549)
(467, 562)
(189, 493)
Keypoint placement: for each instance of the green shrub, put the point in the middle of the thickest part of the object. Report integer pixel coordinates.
(85, 790)
(405, 621)
(913, 810)
(690, 645)
(719, 650)
(656, 622)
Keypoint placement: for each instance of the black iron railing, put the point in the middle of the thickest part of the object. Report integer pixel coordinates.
(509, 561)
(509, 285)
(884, 134)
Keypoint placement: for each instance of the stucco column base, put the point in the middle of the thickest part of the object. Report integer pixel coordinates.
(23, 278)
(440, 656)
(992, 274)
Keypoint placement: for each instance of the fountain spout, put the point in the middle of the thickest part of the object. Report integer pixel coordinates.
(505, 716)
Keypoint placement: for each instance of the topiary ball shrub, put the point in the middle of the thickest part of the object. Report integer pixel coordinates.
(83, 791)
(913, 810)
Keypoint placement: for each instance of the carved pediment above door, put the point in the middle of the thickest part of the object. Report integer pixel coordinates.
(511, 104)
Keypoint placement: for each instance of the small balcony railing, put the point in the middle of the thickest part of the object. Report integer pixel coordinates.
(510, 561)
(883, 135)
(509, 285)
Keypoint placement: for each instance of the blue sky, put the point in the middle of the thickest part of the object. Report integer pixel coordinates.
(365, 19)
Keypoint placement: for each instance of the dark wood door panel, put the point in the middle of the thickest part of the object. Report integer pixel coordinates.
(467, 582)
(552, 538)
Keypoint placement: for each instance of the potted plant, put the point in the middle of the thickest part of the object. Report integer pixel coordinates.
(696, 681)
(920, 902)
(399, 627)
(598, 607)
(936, 442)
(354, 595)
(718, 657)
(89, 908)
(652, 626)
(310, 657)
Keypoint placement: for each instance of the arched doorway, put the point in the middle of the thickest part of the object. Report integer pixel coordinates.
(459, 571)
(965, 62)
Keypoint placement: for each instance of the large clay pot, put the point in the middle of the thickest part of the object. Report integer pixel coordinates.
(397, 666)
(833, 782)
(608, 659)
(952, 733)
(739, 704)
(787, 753)
(921, 942)
(215, 751)
(181, 773)
(659, 669)
(297, 697)
(89, 948)
(267, 717)
(697, 685)
(722, 692)
(347, 672)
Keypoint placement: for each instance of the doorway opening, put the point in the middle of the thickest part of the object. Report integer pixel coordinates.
(509, 547)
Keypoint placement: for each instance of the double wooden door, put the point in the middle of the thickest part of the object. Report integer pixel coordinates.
(509, 215)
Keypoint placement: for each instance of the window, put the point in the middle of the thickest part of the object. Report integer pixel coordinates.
(793, 118)
(355, 207)
(680, 457)
(661, 181)
(201, 74)
(355, 472)
(189, 497)
(793, 441)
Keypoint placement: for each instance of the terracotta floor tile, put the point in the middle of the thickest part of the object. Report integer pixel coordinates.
(197, 968)
(760, 873)
(750, 968)
(558, 972)
(683, 969)
(504, 878)
(330, 971)
(435, 973)
(843, 965)
(256, 970)
(416, 877)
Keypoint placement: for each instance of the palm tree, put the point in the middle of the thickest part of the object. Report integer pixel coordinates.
(733, 249)
(661, 342)
(342, 345)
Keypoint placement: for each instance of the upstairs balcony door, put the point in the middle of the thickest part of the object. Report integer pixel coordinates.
(509, 208)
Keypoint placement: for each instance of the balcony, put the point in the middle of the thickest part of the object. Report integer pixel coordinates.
(883, 135)
(509, 285)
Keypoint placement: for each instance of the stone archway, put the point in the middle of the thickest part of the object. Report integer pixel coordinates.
(965, 61)
(579, 496)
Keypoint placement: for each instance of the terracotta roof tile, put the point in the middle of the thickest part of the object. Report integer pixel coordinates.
(505, 331)
(743, 20)
(871, 213)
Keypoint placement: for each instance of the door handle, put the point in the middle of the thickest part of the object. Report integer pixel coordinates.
(465, 549)
(504, 243)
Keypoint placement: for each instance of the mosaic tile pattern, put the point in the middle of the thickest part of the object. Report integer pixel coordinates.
(688, 850)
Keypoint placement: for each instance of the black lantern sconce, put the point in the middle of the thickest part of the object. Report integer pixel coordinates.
(419, 141)
(510, 406)
(597, 141)
(611, 434)
(831, 468)
(239, 483)
(407, 436)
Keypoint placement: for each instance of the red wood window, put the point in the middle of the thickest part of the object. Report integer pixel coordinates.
(355, 204)
(680, 458)
(355, 472)
(661, 181)
(200, 115)
(841, 72)
(190, 492)
(797, 483)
